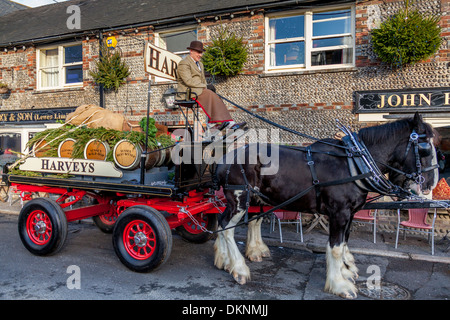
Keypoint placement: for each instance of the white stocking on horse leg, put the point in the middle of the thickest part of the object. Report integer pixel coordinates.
(227, 254)
(256, 249)
(336, 282)
(238, 269)
(349, 261)
(221, 258)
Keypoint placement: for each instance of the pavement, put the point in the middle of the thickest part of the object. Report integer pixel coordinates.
(414, 247)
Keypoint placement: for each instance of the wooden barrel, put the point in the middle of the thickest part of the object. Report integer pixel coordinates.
(153, 159)
(96, 150)
(158, 159)
(40, 148)
(65, 148)
(127, 155)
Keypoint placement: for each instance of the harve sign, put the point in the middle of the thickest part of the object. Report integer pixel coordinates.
(160, 62)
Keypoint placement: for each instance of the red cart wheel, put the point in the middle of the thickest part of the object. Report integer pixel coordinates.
(42, 226)
(142, 238)
(192, 232)
(106, 221)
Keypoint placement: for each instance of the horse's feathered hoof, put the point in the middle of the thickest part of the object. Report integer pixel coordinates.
(347, 295)
(240, 279)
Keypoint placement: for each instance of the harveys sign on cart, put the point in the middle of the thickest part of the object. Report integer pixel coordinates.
(72, 166)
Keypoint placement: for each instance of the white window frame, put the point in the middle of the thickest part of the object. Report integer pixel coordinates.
(308, 40)
(61, 67)
(179, 53)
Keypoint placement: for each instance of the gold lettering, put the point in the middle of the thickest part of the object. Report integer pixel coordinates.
(398, 100)
(409, 100)
(427, 100)
(381, 105)
(447, 98)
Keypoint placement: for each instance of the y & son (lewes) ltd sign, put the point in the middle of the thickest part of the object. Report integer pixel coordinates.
(408, 100)
(34, 115)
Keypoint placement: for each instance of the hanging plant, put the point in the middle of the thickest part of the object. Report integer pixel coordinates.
(407, 37)
(111, 71)
(3, 88)
(226, 55)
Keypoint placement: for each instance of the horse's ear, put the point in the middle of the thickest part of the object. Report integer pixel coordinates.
(417, 121)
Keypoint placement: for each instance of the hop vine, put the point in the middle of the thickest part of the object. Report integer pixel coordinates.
(110, 71)
(226, 55)
(407, 37)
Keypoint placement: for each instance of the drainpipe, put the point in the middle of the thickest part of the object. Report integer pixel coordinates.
(101, 90)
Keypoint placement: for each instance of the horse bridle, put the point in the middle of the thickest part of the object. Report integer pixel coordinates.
(421, 149)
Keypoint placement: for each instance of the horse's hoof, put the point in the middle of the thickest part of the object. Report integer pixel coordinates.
(347, 295)
(240, 279)
(255, 258)
(265, 254)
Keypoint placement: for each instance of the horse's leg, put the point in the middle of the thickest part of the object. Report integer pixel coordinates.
(349, 260)
(256, 249)
(231, 259)
(337, 273)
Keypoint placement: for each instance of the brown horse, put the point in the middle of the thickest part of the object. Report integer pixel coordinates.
(410, 166)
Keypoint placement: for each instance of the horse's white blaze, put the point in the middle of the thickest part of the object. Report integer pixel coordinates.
(227, 254)
(256, 249)
(337, 273)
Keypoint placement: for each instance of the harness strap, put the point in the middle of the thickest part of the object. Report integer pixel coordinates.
(315, 179)
(298, 196)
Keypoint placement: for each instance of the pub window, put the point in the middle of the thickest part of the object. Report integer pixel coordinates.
(176, 41)
(60, 66)
(310, 39)
(10, 142)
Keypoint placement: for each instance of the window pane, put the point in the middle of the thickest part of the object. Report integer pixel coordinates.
(285, 28)
(48, 58)
(332, 14)
(74, 74)
(330, 42)
(73, 54)
(10, 141)
(49, 77)
(178, 41)
(323, 28)
(282, 54)
(340, 56)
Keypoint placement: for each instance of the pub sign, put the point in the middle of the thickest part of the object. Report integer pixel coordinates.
(407, 100)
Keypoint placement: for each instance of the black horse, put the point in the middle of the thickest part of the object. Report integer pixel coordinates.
(390, 146)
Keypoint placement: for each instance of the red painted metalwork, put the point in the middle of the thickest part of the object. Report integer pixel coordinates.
(39, 227)
(139, 239)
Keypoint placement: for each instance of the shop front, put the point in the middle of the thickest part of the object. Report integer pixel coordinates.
(18, 126)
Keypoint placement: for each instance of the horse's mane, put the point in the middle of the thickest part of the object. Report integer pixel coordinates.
(390, 130)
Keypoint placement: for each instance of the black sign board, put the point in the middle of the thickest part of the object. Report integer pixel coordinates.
(34, 115)
(407, 100)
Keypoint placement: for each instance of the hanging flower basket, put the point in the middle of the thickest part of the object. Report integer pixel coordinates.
(3, 88)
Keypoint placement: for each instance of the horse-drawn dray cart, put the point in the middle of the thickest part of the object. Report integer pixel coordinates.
(140, 216)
